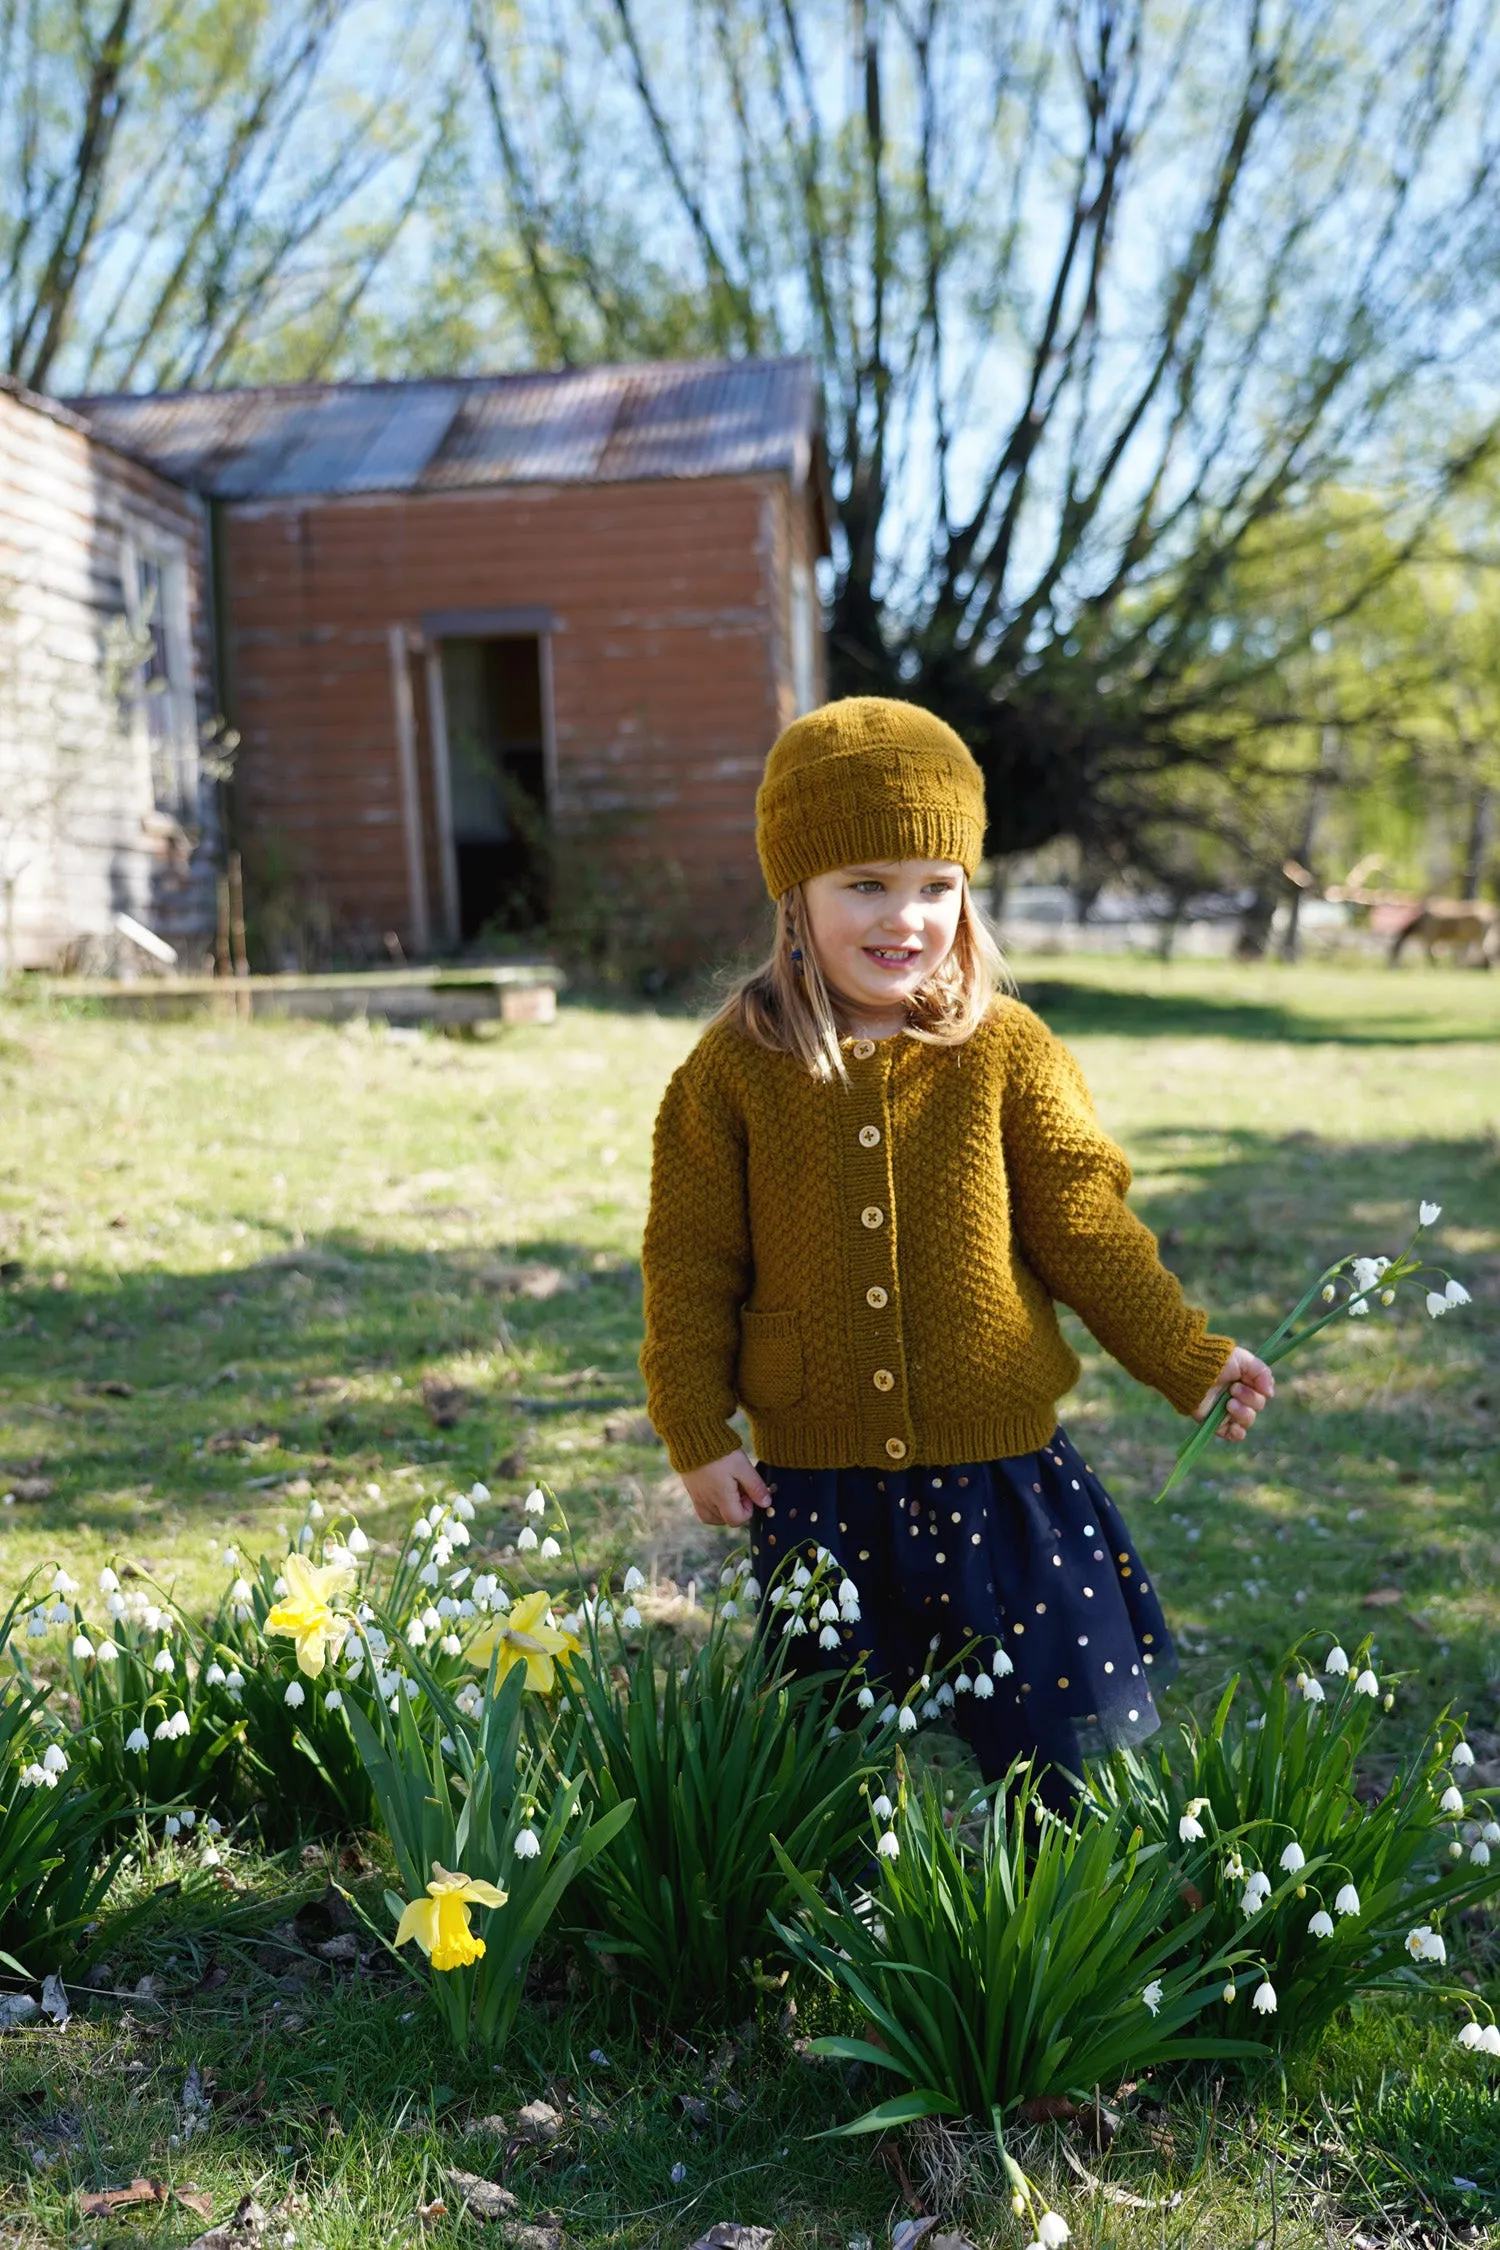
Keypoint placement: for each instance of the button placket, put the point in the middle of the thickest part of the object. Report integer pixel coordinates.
(879, 1352)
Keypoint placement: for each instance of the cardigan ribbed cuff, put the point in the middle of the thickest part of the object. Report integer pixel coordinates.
(692, 1445)
(1194, 1371)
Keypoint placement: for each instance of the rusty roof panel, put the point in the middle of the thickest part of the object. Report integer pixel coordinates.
(714, 418)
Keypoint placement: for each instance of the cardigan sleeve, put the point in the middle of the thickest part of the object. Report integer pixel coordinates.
(1076, 1232)
(696, 1265)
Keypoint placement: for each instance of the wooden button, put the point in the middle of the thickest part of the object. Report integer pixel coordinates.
(863, 1049)
(869, 1136)
(877, 1297)
(884, 1379)
(872, 1216)
(896, 1448)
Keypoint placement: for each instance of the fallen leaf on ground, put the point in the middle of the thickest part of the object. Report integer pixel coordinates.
(539, 2121)
(195, 2199)
(494, 2124)
(101, 2201)
(428, 2214)
(908, 2232)
(1050, 2109)
(485, 2198)
(694, 2106)
(727, 2236)
(950, 2242)
(1382, 1597)
(17, 2007)
(248, 2225)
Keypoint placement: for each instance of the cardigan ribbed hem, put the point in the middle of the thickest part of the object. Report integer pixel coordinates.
(792, 1443)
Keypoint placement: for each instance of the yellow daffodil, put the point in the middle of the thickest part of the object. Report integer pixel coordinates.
(522, 1637)
(306, 1613)
(440, 1922)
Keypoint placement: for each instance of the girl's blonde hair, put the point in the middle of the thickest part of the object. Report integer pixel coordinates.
(786, 1005)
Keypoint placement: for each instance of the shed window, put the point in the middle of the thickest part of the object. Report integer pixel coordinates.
(155, 589)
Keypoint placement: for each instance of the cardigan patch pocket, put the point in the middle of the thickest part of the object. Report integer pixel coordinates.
(770, 1364)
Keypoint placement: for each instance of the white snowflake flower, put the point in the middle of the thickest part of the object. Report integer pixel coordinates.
(1456, 1294)
(527, 1844)
(634, 1580)
(1472, 2036)
(1460, 1755)
(108, 1583)
(1367, 1684)
(1336, 1662)
(889, 1846)
(907, 1719)
(296, 1694)
(107, 1653)
(357, 1543)
(866, 1699)
(1347, 1900)
(1479, 1853)
(1293, 1858)
(1452, 1800)
(1321, 1925)
(630, 1618)
(1424, 1944)
(550, 1550)
(333, 1700)
(82, 1646)
(55, 1759)
(984, 1686)
(1437, 1303)
(1429, 1213)
(882, 1807)
(536, 1502)
(163, 1661)
(1263, 1999)
(1312, 1690)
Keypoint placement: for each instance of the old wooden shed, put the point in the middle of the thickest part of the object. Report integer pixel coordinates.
(461, 623)
(103, 693)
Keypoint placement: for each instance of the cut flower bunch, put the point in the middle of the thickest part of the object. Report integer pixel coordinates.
(1346, 1289)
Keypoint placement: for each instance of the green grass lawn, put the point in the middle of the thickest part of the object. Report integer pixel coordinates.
(243, 1264)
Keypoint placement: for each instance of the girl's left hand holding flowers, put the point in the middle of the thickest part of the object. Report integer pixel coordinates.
(1250, 1385)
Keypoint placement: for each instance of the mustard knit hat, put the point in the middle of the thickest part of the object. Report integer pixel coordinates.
(866, 778)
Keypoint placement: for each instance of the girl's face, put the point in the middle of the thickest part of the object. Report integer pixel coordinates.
(880, 929)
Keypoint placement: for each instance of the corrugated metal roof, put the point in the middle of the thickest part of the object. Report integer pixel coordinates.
(616, 424)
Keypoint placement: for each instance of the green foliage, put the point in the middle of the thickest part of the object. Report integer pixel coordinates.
(299, 1762)
(148, 1735)
(725, 1756)
(1000, 1963)
(459, 1796)
(53, 1873)
(1285, 1781)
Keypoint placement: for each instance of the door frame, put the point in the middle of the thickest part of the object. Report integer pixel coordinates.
(441, 625)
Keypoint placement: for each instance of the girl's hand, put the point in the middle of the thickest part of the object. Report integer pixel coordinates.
(1250, 1385)
(726, 1491)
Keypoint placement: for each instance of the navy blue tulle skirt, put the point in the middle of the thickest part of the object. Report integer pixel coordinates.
(1028, 1555)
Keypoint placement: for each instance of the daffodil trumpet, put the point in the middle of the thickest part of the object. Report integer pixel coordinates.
(1363, 1278)
(440, 1921)
(524, 1636)
(306, 1611)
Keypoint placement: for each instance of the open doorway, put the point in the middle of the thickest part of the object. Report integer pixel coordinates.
(492, 697)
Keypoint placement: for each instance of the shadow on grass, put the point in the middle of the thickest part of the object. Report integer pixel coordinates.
(1076, 1010)
(330, 1357)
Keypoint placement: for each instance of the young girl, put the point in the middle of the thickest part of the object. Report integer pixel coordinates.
(872, 1178)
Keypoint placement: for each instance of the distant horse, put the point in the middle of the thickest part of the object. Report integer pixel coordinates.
(1469, 928)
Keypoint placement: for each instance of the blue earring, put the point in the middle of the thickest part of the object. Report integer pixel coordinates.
(797, 959)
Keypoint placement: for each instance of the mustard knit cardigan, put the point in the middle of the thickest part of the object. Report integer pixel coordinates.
(870, 1269)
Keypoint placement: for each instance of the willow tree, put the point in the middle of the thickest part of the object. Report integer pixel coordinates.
(1100, 292)
(183, 182)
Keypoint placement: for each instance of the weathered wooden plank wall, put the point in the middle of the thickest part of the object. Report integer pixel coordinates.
(82, 835)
